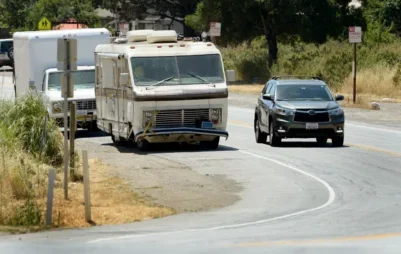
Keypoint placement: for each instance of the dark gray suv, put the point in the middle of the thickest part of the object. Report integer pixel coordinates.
(294, 107)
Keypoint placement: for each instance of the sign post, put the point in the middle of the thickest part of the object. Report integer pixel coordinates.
(66, 62)
(215, 30)
(124, 28)
(355, 36)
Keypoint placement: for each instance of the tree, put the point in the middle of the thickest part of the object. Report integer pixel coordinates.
(311, 20)
(14, 13)
(62, 10)
(176, 10)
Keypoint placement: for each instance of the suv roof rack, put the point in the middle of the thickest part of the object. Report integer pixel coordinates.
(295, 76)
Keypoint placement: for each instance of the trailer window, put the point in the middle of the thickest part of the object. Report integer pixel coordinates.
(82, 80)
(177, 70)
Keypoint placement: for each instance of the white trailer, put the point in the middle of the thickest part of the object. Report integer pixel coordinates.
(35, 60)
(154, 88)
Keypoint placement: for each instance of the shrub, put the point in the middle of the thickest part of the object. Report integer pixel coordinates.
(24, 122)
(249, 60)
(331, 61)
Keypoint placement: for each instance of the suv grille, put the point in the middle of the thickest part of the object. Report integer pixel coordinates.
(306, 117)
(84, 105)
(181, 118)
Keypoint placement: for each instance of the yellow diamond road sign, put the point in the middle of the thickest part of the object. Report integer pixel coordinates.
(44, 24)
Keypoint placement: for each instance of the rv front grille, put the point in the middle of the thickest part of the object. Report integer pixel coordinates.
(181, 118)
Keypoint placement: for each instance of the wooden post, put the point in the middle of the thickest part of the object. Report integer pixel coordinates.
(85, 168)
(354, 76)
(73, 127)
(49, 210)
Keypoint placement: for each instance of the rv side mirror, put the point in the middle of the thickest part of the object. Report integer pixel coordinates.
(32, 85)
(124, 79)
(230, 74)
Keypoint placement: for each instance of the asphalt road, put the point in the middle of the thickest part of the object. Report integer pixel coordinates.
(300, 198)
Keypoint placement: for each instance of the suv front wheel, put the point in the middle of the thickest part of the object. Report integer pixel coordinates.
(337, 141)
(273, 139)
(260, 136)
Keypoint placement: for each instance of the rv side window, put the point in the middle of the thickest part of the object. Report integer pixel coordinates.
(107, 73)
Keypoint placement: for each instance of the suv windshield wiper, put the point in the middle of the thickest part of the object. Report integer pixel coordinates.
(161, 81)
(199, 77)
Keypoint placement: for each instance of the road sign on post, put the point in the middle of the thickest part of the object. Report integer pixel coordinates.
(355, 36)
(44, 24)
(215, 29)
(66, 62)
(124, 28)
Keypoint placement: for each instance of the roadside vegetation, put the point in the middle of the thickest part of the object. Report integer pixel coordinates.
(379, 65)
(28, 149)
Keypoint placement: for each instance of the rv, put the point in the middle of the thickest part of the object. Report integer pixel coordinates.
(153, 88)
(35, 60)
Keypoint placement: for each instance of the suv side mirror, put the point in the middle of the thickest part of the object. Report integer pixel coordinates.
(124, 79)
(267, 97)
(339, 97)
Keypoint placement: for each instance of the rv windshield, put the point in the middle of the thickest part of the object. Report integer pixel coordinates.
(82, 80)
(177, 70)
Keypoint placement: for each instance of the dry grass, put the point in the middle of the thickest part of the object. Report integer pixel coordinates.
(113, 201)
(376, 83)
(246, 88)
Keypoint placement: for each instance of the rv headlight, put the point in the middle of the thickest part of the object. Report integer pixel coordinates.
(215, 115)
(57, 107)
(147, 119)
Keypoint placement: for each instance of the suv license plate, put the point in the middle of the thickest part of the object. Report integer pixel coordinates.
(207, 125)
(312, 126)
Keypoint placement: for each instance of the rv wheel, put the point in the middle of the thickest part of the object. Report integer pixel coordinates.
(143, 144)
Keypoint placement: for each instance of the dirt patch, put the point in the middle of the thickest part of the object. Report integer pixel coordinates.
(165, 182)
(112, 201)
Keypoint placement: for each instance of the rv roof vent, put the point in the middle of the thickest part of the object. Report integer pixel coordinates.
(138, 35)
(162, 36)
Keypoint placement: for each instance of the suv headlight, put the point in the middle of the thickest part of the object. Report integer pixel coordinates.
(215, 115)
(147, 119)
(336, 112)
(57, 107)
(284, 111)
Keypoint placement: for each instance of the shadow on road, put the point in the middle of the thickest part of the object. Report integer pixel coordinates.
(303, 144)
(90, 134)
(168, 148)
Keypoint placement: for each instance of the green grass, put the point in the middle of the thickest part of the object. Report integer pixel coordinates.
(23, 173)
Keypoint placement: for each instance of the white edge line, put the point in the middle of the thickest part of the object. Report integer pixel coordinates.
(371, 127)
(332, 196)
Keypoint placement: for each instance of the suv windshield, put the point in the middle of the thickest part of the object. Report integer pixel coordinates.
(82, 80)
(303, 93)
(177, 70)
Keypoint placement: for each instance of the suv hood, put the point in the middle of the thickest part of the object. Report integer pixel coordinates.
(308, 104)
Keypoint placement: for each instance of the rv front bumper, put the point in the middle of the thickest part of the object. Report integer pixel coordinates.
(180, 135)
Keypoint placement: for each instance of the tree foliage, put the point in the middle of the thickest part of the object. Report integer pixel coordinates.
(63, 10)
(14, 13)
(25, 15)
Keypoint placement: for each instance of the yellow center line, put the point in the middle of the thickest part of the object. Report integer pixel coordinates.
(364, 147)
(316, 241)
